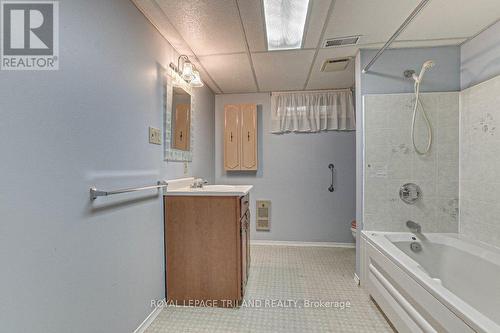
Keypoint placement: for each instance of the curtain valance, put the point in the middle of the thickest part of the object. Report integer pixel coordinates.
(329, 110)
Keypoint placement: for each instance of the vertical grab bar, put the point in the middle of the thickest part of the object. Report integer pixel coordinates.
(332, 169)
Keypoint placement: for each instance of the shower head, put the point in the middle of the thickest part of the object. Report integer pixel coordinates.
(427, 65)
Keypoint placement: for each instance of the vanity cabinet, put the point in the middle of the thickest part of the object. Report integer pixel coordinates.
(240, 137)
(207, 249)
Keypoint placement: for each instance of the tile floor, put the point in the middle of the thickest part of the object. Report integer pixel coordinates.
(288, 273)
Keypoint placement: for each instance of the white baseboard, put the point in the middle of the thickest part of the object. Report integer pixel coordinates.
(149, 319)
(356, 278)
(292, 243)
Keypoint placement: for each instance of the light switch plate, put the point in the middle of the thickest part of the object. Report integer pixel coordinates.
(154, 136)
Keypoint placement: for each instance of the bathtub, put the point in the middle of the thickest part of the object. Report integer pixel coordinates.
(450, 285)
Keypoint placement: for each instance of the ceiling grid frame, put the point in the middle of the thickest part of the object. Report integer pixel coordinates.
(299, 68)
(479, 32)
(249, 55)
(320, 42)
(198, 62)
(306, 24)
(263, 13)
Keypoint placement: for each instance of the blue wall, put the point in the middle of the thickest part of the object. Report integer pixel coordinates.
(69, 265)
(386, 77)
(480, 58)
(293, 173)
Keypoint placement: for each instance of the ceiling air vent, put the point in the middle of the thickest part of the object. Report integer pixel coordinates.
(341, 41)
(335, 65)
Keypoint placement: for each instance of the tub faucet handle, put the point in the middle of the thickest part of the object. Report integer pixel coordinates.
(410, 193)
(414, 226)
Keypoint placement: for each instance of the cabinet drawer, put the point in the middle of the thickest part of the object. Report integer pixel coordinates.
(244, 204)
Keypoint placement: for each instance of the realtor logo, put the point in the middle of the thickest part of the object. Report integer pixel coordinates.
(29, 35)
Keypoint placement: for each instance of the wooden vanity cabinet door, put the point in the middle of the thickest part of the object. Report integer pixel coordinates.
(203, 249)
(248, 114)
(231, 137)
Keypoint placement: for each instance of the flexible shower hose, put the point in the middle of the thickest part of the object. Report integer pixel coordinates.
(428, 123)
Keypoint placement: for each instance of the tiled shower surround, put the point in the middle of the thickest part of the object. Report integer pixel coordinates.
(390, 161)
(480, 162)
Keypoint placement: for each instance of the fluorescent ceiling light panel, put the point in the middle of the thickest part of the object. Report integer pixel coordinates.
(285, 21)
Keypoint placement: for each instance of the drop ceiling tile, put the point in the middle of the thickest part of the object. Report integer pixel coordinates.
(403, 44)
(376, 21)
(213, 27)
(282, 70)
(209, 27)
(155, 15)
(426, 43)
(332, 80)
(232, 72)
(452, 18)
(317, 17)
(254, 24)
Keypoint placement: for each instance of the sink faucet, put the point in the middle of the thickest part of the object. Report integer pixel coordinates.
(198, 183)
(414, 226)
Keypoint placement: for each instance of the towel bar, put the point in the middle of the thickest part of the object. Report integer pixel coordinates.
(94, 193)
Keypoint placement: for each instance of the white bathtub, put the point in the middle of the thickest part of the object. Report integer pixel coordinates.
(451, 285)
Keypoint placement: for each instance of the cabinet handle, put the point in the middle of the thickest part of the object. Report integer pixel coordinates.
(231, 136)
(248, 136)
(180, 136)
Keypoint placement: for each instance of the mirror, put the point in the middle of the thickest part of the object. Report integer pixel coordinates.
(179, 116)
(181, 119)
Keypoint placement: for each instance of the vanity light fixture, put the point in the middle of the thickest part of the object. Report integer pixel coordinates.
(187, 71)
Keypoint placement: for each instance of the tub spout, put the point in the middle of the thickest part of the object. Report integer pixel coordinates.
(414, 226)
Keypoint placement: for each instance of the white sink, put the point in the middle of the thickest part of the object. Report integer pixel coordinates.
(211, 190)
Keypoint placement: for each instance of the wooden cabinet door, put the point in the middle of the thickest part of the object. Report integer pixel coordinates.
(248, 114)
(202, 254)
(182, 127)
(231, 137)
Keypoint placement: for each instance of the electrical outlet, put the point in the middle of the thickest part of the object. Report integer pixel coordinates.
(154, 136)
(186, 171)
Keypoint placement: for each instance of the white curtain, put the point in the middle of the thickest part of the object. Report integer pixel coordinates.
(314, 111)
